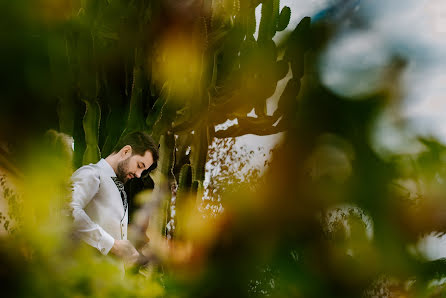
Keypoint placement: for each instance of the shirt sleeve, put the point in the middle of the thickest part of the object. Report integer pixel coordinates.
(85, 184)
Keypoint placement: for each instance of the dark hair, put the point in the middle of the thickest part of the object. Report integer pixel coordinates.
(140, 142)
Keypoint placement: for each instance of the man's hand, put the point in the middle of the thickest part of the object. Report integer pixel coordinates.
(126, 251)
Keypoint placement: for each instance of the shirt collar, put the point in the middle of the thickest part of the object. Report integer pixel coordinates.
(106, 167)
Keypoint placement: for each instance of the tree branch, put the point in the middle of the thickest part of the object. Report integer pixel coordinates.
(256, 126)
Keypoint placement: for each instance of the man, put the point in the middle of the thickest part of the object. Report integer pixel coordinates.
(99, 202)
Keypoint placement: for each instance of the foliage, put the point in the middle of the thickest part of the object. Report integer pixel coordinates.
(96, 70)
(230, 169)
(12, 220)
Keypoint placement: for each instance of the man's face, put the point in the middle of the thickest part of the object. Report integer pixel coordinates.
(133, 166)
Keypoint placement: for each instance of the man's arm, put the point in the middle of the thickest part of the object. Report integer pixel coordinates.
(85, 184)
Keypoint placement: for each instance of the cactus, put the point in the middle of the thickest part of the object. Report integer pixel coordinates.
(91, 128)
(185, 181)
(112, 128)
(288, 96)
(198, 190)
(167, 155)
(182, 197)
(298, 45)
(199, 153)
(65, 115)
(136, 116)
(160, 120)
(165, 165)
(284, 18)
(109, 54)
(270, 12)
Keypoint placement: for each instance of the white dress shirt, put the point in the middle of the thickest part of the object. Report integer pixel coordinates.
(98, 211)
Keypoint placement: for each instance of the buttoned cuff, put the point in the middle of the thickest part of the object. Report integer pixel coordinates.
(106, 243)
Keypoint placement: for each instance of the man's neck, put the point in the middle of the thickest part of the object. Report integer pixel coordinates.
(113, 162)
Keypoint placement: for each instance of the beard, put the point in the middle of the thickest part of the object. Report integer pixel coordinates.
(123, 171)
